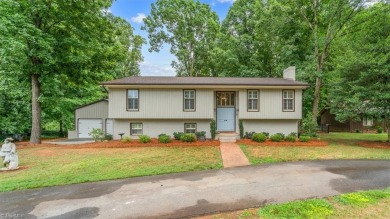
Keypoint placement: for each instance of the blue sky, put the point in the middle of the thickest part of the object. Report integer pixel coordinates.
(134, 10)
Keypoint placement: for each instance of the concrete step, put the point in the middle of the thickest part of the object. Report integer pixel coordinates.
(228, 137)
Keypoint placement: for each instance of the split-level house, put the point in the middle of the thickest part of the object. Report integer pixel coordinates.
(154, 105)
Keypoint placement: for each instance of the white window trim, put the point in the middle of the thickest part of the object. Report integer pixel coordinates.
(293, 101)
(131, 128)
(251, 98)
(184, 101)
(185, 127)
(128, 100)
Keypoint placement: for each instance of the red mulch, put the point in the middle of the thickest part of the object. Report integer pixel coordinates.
(374, 144)
(311, 143)
(119, 144)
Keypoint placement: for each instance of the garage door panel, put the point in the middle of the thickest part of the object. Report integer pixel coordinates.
(87, 125)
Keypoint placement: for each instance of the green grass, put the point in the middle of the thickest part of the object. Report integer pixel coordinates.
(342, 146)
(50, 166)
(364, 204)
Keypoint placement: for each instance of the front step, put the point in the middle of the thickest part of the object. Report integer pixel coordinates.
(228, 137)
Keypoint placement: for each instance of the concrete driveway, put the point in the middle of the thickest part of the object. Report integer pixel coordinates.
(196, 193)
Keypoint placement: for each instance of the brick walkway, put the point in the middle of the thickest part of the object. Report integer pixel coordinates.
(232, 155)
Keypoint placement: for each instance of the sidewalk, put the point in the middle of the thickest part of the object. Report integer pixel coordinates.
(232, 155)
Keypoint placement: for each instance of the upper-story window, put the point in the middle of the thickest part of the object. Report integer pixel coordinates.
(133, 100)
(288, 100)
(189, 100)
(253, 100)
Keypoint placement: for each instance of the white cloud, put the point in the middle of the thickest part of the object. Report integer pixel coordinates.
(139, 18)
(150, 69)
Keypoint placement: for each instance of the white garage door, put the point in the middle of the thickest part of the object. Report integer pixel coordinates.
(86, 126)
(110, 126)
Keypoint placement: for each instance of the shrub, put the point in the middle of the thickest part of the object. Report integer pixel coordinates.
(177, 135)
(281, 134)
(144, 139)
(163, 138)
(266, 134)
(188, 137)
(293, 134)
(213, 129)
(357, 130)
(259, 137)
(309, 126)
(161, 135)
(291, 138)
(107, 137)
(277, 137)
(249, 135)
(126, 139)
(304, 138)
(379, 130)
(200, 134)
(97, 134)
(241, 126)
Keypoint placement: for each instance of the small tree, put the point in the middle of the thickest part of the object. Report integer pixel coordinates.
(309, 125)
(97, 134)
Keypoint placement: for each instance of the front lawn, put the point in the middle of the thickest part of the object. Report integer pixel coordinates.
(342, 146)
(43, 166)
(366, 204)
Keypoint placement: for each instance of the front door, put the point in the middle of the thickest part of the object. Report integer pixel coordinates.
(226, 111)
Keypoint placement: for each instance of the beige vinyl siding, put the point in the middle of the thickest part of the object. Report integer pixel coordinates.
(155, 103)
(271, 126)
(155, 127)
(270, 105)
(97, 110)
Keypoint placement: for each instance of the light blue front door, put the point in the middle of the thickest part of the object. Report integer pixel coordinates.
(225, 119)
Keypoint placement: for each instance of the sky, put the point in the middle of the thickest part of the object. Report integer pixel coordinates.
(156, 64)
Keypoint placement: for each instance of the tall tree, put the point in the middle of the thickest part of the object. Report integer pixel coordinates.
(189, 27)
(363, 64)
(59, 40)
(326, 20)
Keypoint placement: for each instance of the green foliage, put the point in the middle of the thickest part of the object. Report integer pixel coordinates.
(213, 129)
(277, 137)
(144, 139)
(259, 137)
(379, 130)
(266, 134)
(241, 126)
(312, 208)
(309, 125)
(108, 137)
(249, 135)
(188, 137)
(291, 138)
(126, 139)
(355, 199)
(97, 134)
(177, 135)
(163, 138)
(293, 134)
(303, 138)
(189, 27)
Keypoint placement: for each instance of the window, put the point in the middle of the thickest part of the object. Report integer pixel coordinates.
(226, 99)
(190, 128)
(132, 100)
(288, 100)
(253, 100)
(189, 100)
(135, 128)
(367, 121)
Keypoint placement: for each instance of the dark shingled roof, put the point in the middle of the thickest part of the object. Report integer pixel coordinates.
(165, 80)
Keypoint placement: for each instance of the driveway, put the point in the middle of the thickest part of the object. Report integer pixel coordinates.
(196, 193)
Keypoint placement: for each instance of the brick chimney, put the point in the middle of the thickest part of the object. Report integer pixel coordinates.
(289, 73)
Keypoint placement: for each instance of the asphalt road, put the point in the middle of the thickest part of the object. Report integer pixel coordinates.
(196, 193)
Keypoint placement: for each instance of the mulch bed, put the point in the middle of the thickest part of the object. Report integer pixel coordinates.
(119, 144)
(374, 144)
(311, 143)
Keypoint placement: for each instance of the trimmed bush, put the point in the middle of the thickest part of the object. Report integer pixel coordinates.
(259, 137)
(163, 138)
(188, 137)
(249, 135)
(213, 129)
(144, 139)
(379, 130)
(266, 134)
(277, 137)
(304, 138)
(293, 134)
(126, 139)
(177, 135)
(281, 134)
(241, 126)
(108, 137)
(291, 138)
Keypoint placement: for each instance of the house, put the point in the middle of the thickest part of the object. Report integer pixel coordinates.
(154, 105)
(366, 123)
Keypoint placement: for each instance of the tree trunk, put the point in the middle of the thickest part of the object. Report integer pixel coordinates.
(316, 99)
(62, 127)
(388, 128)
(36, 110)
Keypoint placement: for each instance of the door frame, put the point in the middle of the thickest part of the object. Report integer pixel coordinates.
(235, 109)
